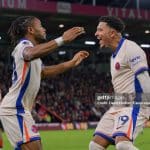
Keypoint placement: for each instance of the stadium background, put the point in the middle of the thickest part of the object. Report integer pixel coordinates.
(68, 100)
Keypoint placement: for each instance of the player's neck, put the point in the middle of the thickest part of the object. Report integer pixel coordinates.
(33, 41)
(115, 43)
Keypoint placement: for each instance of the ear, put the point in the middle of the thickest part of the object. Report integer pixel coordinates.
(30, 30)
(113, 33)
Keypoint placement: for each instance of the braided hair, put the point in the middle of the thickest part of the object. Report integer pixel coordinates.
(18, 28)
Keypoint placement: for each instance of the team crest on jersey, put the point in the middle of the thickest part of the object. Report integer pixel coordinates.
(117, 66)
(34, 129)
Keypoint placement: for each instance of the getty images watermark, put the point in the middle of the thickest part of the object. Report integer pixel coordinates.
(122, 99)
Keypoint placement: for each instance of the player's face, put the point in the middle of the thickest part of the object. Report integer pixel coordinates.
(104, 34)
(39, 32)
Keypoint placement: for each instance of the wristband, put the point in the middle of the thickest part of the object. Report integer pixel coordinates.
(59, 41)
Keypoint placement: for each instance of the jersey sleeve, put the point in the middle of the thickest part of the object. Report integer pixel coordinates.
(144, 80)
(136, 58)
(21, 47)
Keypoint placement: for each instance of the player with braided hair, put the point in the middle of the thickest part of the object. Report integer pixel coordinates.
(27, 35)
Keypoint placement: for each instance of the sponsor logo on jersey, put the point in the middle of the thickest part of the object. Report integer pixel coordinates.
(135, 60)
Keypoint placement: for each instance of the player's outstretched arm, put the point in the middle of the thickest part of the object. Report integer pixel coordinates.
(50, 71)
(39, 50)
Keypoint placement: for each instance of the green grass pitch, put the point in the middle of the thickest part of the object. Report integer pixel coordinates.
(78, 140)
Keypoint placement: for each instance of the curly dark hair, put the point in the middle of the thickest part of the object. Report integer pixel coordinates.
(113, 22)
(18, 28)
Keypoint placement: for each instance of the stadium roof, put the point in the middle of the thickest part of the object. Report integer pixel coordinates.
(136, 29)
(142, 4)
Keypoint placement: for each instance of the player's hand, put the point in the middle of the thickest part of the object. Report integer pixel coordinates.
(79, 57)
(72, 33)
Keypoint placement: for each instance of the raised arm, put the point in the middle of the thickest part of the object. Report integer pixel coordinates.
(40, 50)
(50, 71)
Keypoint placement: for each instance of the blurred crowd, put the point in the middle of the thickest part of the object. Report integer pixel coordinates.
(69, 97)
(72, 95)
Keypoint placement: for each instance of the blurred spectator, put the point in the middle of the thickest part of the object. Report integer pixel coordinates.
(70, 96)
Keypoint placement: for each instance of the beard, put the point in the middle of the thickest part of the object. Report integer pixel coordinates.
(40, 39)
